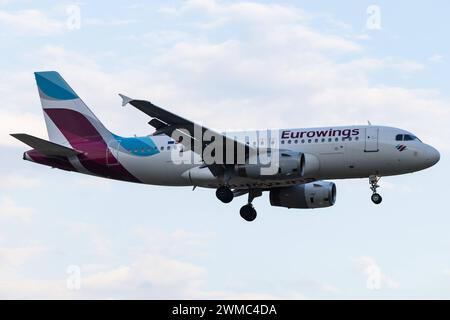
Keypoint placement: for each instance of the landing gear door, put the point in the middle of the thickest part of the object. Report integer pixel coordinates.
(371, 139)
(112, 153)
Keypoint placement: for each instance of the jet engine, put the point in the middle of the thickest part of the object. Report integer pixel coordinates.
(287, 165)
(319, 194)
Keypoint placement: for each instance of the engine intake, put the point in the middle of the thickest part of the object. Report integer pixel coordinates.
(319, 194)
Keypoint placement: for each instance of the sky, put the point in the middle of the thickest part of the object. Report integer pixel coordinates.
(230, 65)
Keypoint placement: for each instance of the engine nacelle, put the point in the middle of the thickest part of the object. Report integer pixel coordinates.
(319, 194)
(288, 165)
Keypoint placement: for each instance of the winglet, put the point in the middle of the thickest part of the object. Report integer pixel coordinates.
(125, 100)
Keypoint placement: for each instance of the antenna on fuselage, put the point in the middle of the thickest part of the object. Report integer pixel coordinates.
(368, 122)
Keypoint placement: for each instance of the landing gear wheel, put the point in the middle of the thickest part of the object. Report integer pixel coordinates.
(376, 198)
(224, 194)
(373, 181)
(248, 213)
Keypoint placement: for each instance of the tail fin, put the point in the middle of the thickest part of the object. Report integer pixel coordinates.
(69, 121)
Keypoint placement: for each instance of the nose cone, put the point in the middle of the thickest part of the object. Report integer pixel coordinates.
(432, 156)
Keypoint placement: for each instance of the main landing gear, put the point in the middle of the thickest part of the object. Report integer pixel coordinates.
(248, 212)
(224, 194)
(373, 181)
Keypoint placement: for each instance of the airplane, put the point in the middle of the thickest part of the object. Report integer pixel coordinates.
(293, 165)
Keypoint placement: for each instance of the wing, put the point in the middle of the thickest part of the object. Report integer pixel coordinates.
(46, 147)
(166, 122)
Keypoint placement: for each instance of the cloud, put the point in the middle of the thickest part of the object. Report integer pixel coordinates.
(18, 287)
(376, 279)
(17, 181)
(436, 58)
(236, 295)
(178, 243)
(98, 240)
(329, 288)
(14, 257)
(153, 274)
(95, 22)
(191, 238)
(14, 122)
(9, 210)
(273, 23)
(277, 70)
(147, 274)
(31, 21)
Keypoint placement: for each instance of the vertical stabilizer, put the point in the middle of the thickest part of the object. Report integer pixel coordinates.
(69, 121)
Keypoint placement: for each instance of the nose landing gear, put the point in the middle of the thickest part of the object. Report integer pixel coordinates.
(373, 181)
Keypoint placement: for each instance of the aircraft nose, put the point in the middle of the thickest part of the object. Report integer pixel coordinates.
(432, 156)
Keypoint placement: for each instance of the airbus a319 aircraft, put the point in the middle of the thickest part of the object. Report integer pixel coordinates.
(291, 164)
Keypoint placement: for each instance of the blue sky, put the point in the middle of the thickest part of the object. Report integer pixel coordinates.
(230, 65)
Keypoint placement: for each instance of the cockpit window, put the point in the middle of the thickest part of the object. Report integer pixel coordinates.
(410, 137)
(406, 137)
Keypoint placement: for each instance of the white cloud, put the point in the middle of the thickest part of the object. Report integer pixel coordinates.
(436, 58)
(154, 275)
(180, 242)
(375, 278)
(236, 295)
(18, 287)
(10, 210)
(191, 238)
(108, 279)
(31, 21)
(17, 181)
(329, 288)
(99, 241)
(148, 275)
(14, 122)
(276, 77)
(14, 257)
(113, 22)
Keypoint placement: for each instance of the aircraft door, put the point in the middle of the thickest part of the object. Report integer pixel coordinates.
(371, 139)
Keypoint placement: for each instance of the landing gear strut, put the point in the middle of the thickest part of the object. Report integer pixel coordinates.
(224, 194)
(373, 181)
(248, 212)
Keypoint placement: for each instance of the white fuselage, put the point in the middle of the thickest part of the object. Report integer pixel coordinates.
(336, 153)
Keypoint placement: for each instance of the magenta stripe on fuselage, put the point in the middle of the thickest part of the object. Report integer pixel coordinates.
(83, 136)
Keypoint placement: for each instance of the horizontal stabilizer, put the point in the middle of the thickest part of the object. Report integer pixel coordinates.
(45, 147)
